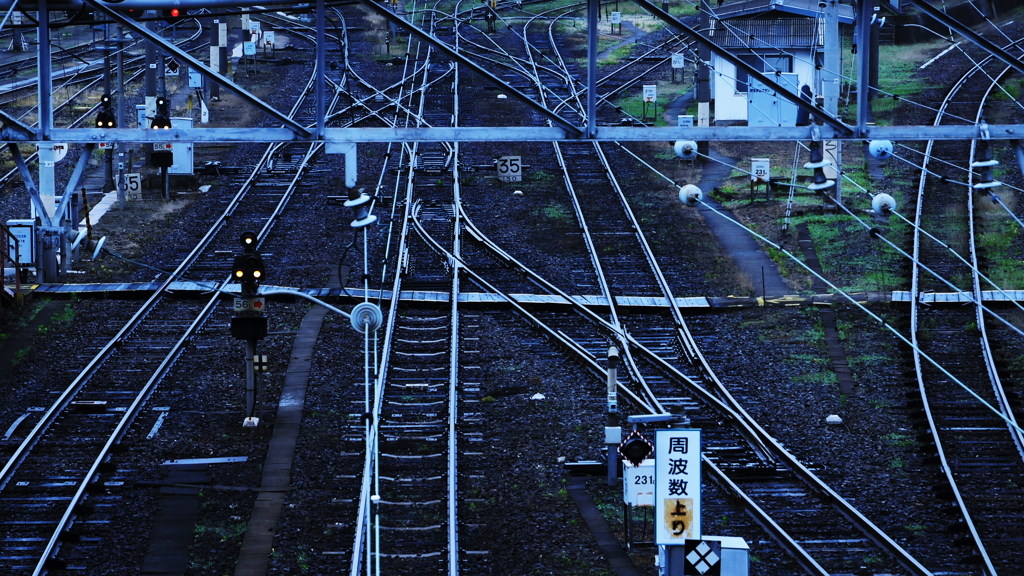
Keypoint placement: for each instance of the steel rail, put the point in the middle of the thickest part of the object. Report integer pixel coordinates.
(764, 520)
(605, 288)
(454, 55)
(136, 320)
(998, 387)
(363, 557)
(945, 467)
(747, 427)
(558, 336)
(683, 335)
(987, 356)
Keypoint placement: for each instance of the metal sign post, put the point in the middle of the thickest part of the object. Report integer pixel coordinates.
(650, 97)
(678, 63)
(510, 168)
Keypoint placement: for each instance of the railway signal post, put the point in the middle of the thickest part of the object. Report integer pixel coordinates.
(250, 322)
(612, 433)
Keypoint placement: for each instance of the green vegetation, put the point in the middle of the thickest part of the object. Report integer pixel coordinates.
(560, 214)
(897, 73)
(838, 240)
(915, 529)
(20, 355)
(224, 534)
(899, 440)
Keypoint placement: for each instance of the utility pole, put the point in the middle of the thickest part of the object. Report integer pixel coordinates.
(119, 182)
(831, 78)
(704, 78)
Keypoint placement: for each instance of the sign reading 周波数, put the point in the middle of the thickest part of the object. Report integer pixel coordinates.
(677, 485)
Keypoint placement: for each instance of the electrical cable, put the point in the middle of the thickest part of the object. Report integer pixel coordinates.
(852, 300)
(871, 314)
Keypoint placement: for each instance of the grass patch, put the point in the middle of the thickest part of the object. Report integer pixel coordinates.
(899, 440)
(559, 213)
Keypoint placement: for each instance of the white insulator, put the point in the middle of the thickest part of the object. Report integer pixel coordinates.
(685, 149)
(822, 186)
(364, 221)
(97, 249)
(880, 149)
(883, 204)
(362, 199)
(690, 195)
(985, 163)
(815, 165)
(987, 185)
(366, 316)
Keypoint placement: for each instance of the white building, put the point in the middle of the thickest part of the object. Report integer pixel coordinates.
(784, 39)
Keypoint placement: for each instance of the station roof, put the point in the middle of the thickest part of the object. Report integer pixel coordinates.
(774, 8)
(777, 33)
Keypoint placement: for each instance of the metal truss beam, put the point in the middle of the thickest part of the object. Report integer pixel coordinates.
(535, 134)
(454, 55)
(840, 128)
(14, 127)
(148, 4)
(199, 66)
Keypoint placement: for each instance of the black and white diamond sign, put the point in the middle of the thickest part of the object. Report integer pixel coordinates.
(702, 558)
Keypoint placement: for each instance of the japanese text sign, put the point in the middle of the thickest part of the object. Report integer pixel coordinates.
(677, 485)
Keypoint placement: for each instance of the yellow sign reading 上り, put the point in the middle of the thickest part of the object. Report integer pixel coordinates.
(679, 517)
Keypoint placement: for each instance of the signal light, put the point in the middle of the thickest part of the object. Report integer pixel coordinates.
(163, 114)
(248, 267)
(174, 15)
(105, 118)
(249, 241)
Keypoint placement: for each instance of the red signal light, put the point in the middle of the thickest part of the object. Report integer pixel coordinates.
(175, 13)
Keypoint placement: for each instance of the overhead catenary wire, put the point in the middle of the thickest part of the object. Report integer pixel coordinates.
(881, 93)
(850, 298)
(871, 314)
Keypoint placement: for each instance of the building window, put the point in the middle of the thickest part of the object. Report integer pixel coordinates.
(780, 62)
(762, 63)
(741, 75)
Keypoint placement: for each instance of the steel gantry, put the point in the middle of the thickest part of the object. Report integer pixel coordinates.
(830, 128)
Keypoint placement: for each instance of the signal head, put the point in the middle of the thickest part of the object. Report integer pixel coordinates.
(174, 15)
(249, 241)
(105, 119)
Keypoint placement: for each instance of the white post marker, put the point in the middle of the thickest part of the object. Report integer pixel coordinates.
(760, 169)
(133, 185)
(677, 485)
(510, 168)
(650, 93)
(639, 483)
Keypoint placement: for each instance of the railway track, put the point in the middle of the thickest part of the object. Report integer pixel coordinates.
(978, 451)
(407, 506)
(44, 501)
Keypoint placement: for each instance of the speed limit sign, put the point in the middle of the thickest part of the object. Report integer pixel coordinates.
(510, 168)
(133, 185)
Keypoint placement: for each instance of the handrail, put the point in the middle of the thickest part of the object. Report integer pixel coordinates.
(6, 238)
